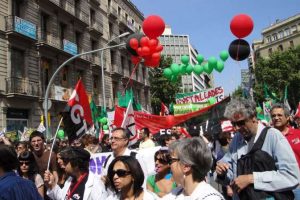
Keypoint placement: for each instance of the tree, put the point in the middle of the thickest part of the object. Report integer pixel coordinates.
(238, 92)
(279, 70)
(162, 90)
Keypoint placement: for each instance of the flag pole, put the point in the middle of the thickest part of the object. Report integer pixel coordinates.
(53, 143)
(126, 114)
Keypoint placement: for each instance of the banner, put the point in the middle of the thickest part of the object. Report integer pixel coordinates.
(155, 122)
(184, 108)
(200, 97)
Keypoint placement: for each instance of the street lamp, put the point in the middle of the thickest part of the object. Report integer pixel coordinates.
(57, 71)
(102, 67)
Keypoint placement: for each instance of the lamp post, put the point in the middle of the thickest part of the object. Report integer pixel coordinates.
(56, 72)
(102, 67)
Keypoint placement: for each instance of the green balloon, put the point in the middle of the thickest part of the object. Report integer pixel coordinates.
(189, 69)
(61, 134)
(207, 68)
(105, 127)
(174, 79)
(258, 109)
(212, 62)
(167, 72)
(200, 59)
(182, 69)
(185, 59)
(198, 69)
(220, 66)
(175, 68)
(212, 100)
(103, 121)
(224, 55)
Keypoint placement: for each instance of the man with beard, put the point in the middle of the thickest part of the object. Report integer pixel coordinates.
(80, 185)
(242, 114)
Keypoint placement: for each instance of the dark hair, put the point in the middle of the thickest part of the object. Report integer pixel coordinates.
(33, 168)
(105, 136)
(24, 143)
(126, 133)
(163, 138)
(283, 107)
(223, 138)
(8, 158)
(77, 156)
(134, 167)
(146, 131)
(164, 154)
(36, 134)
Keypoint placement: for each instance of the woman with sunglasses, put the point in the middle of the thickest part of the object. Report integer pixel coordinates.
(28, 169)
(191, 160)
(126, 178)
(162, 182)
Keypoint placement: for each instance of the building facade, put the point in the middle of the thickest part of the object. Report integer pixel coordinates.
(176, 46)
(280, 36)
(38, 36)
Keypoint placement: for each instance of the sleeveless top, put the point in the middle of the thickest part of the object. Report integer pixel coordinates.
(151, 181)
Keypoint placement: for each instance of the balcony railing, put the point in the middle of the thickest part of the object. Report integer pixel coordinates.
(22, 86)
(112, 12)
(21, 26)
(67, 6)
(96, 26)
(49, 38)
(82, 16)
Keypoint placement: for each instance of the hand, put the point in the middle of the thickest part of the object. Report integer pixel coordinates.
(229, 191)
(241, 182)
(221, 168)
(49, 179)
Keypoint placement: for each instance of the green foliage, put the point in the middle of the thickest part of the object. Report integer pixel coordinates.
(162, 90)
(279, 70)
(237, 92)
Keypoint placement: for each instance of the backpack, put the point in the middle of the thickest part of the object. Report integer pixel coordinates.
(258, 160)
(132, 153)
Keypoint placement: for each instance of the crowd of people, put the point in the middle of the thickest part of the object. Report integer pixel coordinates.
(253, 161)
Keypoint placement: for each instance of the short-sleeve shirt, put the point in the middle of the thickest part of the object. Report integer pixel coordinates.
(38, 180)
(293, 137)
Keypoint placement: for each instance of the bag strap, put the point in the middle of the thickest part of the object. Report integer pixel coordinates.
(260, 141)
(105, 163)
(133, 154)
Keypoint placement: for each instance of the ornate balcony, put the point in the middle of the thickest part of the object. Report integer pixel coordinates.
(21, 86)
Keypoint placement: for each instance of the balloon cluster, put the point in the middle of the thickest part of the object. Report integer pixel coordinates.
(174, 71)
(240, 26)
(103, 121)
(61, 134)
(147, 47)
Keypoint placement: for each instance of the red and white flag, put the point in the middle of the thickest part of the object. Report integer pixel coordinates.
(297, 114)
(164, 109)
(129, 124)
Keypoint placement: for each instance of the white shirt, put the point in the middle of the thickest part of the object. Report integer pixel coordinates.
(147, 196)
(202, 191)
(147, 144)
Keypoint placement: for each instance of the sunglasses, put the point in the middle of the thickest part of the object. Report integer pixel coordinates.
(120, 173)
(172, 160)
(239, 123)
(162, 161)
(24, 162)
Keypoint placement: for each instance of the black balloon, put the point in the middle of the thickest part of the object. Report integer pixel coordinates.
(137, 36)
(239, 49)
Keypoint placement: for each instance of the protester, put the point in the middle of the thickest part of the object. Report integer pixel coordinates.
(190, 162)
(242, 114)
(62, 176)
(126, 178)
(280, 116)
(162, 182)
(105, 144)
(80, 184)
(146, 141)
(28, 169)
(21, 147)
(13, 187)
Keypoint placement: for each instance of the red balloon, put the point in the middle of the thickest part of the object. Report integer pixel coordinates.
(153, 43)
(155, 56)
(144, 41)
(151, 63)
(159, 48)
(153, 26)
(134, 43)
(139, 51)
(145, 51)
(241, 25)
(135, 60)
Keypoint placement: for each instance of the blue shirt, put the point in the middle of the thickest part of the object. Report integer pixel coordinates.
(287, 175)
(13, 187)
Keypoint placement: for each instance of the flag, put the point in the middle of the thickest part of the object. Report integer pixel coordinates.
(95, 115)
(77, 116)
(129, 124)
(285, 100)
(164, 109)
(297, 114)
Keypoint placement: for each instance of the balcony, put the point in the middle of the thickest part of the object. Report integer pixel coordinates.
(116, 70)
(48, 38)
(21, 27)
(112, 12)
(131, 26)
(113, 38)
(96, 28)
(21, 86)
(95, 2)
(82, 16)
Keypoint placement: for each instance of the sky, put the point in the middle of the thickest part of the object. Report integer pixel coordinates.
(207, 22)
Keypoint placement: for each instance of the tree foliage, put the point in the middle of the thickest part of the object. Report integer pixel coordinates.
(277, 71)
(238, 92)
(162, 90)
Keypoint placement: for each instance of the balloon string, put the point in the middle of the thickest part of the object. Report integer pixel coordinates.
(130, 78)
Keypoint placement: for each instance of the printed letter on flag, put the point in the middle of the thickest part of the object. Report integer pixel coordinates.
(129, 124)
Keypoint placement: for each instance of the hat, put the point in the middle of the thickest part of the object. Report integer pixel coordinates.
(226, 126)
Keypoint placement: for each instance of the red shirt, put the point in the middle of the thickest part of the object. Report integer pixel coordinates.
(293, 136)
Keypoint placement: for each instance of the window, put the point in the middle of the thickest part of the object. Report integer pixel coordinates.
(269, 39)
(280, 48)
(287, 32)
(17, 7)
(94, 46)
(109, 3)
(17, 63)
(294, 29)
(77, 40)
(65, 77)
(274, 36)
(79, 74)
(95, 82)
(123, 64)
(112, 57)
(132, 22)
(44, 22)
(92, 17)
(270, 51)
(280, 34)
(126, 16)
(45, 68)
(119, 11)
(291, 43)
(62, 29)
(144, 73)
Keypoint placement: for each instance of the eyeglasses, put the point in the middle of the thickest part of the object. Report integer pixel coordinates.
(24, 162)
(276, 115)
(116, 139)
(239, 123)
(120, 173)
(172, 160)
(162, 161)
